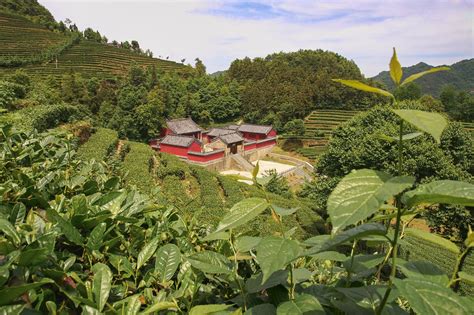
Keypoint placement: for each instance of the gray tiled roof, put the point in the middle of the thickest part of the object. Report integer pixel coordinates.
(233, 127)
(255, 128)
(231, 138)
(215, 132)
(179, 141)
(182, 125)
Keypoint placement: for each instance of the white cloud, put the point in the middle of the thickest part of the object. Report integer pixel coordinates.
(437, 32)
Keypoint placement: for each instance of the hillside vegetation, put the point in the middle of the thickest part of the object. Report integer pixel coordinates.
(318, 126)
(42, 52)
(461, 76)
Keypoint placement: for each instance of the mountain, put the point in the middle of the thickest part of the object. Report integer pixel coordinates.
(461, 76)
(33, 41)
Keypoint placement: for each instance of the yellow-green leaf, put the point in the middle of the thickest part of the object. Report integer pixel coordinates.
(415, 76)
(432, 123)
(396, 71)
(363, 87)
(208, 309)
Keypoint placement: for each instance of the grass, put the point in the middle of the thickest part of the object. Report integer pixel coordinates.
(100, 145)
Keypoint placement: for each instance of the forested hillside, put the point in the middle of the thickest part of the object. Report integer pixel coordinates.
(283, 86)
(460, 76)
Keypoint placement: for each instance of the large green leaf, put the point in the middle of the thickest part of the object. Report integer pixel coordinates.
(101, 284)
(396, 71)
(96, 237)
(208, 309)
(427, 297)
(168, 258)
(9, 230)
(433, 238)
(424, 270)
(254, 284)
(360, 194)
(242, 212)
(247, 243)
(71, 233)
(415, 76)
(274, 253)
(133, 305)
(441, 191)
(210, 262)
(346, 236)
(147, 251)
(432, 123)
(302, 304)
(10, 294)
(363, 87)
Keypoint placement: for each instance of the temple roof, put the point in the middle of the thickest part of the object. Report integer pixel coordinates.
(179, 141)
(230, 138)
(182, 126)
(255, 128)
(215, 132)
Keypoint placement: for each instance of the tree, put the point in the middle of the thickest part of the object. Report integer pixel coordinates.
(135, 46)
(295, 127)
(431, 103)
(136, 75)
(199, 67)
(409, 91)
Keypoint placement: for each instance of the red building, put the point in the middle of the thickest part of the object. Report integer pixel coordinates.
(180, 145)
(256, 132)
(184, 138)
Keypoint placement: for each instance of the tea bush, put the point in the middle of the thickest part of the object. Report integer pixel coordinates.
(100, 145)
(138, 166)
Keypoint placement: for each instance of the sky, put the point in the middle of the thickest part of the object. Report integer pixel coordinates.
(218, 32)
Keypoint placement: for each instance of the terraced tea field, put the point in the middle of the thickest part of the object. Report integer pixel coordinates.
(22, 39)
(319, 126)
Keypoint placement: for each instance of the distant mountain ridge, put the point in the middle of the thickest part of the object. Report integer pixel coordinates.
(461, 76)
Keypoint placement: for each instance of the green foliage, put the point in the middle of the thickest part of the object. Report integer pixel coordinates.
(277, 184)
(99, 146)
(295, 127)
(7, 95)
(44, 117)
(458, 104)
(285, 86)
(138, 165)
(410, 91)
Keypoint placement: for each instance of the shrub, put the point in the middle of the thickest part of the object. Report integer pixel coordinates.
(100, 145)
(137, 164)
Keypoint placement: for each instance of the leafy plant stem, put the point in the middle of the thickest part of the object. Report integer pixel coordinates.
(454, 278)
(397, 225)
(349, 272)
(236, 271)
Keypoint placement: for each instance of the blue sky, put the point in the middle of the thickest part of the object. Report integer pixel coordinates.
(436, 32)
